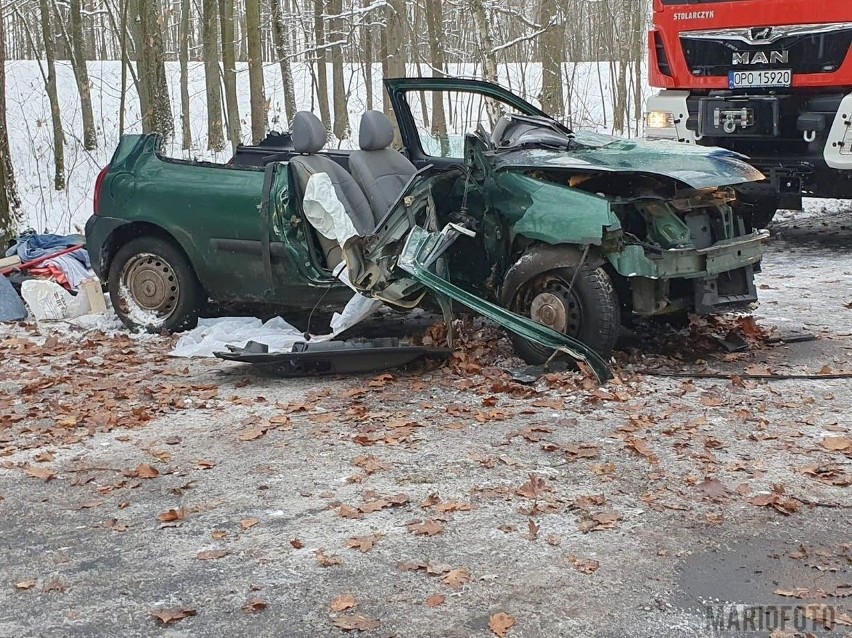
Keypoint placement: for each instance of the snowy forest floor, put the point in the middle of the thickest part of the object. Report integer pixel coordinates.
(136, 489)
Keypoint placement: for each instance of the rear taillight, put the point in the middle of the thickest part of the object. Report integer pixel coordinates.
(99, 183)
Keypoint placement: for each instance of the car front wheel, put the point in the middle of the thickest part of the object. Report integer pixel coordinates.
(153, 287)
(579, 303)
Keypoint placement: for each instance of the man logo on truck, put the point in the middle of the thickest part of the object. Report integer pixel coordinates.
(761, 33)
(762, 57)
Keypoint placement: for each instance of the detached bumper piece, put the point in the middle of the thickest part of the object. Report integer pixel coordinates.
(332, 357)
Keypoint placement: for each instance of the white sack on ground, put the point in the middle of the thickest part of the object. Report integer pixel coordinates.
(325, 211)
(48, 301)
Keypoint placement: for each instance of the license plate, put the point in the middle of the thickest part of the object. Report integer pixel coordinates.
(760, 79)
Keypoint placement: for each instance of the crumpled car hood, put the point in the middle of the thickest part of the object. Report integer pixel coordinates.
(695, 166)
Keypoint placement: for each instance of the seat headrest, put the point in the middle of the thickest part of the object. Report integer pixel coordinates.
(309, 134)
(376, 131)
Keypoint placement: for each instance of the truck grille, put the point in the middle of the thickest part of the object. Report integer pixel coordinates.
(709, 54)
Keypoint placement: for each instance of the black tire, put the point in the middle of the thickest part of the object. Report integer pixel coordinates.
(153, 287)
(589, 311)
(759, 217)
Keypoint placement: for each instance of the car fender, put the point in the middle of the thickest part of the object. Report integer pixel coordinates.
(543, 258)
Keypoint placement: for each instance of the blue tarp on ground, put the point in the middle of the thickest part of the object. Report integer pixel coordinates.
(11, 306)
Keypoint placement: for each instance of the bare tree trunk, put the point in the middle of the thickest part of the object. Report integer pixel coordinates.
(551, 48)
(435, 27)
(186, 130)
(122, 97)
(322, 70)
(226, 20)
(159, 115)
(489, 59)
(255, 64)
(81, 74)
(50, 85)
(486, 41)
(282, 50)
(394, 66)
(215, 137)
(9, 202)
(367, 52)
(341, 113)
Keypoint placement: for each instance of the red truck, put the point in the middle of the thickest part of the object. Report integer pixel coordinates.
(771, 79)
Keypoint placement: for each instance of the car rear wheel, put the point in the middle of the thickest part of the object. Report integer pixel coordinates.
(153, 287)
(584, 306)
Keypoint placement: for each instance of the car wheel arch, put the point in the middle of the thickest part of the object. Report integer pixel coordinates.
(127, 232)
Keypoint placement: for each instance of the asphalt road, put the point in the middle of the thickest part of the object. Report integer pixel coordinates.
(428, 503)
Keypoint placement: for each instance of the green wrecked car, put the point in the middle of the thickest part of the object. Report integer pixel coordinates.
(492, 204)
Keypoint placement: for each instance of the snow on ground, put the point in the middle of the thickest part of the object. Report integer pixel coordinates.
(31, 136)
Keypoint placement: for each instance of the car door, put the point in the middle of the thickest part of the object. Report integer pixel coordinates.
(434, 115)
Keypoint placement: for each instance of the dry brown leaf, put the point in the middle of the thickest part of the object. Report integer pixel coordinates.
(370, 464)
(533, 489)
(327, 561)
(43, 473)
(248, 523)
(145, 471)
(363, 543)
(837, 443)
(343, 602)
(205, 465)
(168, 616)
(254, 606)
(500, 623)
(212, 554)
(357, 622)
(426, 528)
(219, 534)
(714, 489)
(55, 585)
(584, 565)
(533, 529)
(453, 506)
(173, 515)
(456, 578)
(296, 543)
(253, 434)
(26, 584)
(347, 511)
(435, 600)
(641, 447)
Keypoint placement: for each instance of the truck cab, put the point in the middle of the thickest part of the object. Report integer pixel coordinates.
(770, 79)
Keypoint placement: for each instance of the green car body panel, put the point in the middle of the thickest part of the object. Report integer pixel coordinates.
(214, 213)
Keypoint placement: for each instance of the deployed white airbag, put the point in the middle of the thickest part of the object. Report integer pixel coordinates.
(325, 211)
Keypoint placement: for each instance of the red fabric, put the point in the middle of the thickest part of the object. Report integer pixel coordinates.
(50, 271)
